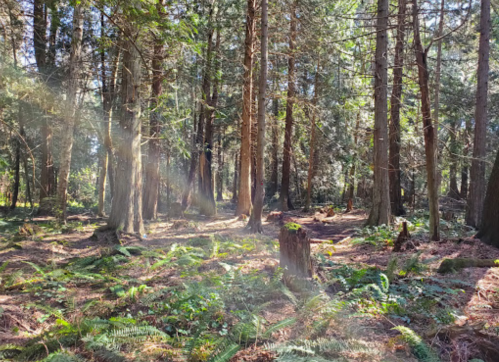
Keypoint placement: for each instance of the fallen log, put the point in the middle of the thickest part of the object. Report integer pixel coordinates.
(449, 265)
(320, 241)
(329, 220)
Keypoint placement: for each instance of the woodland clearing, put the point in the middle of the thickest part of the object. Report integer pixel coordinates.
(202, 289)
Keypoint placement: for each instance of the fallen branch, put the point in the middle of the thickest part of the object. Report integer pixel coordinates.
(320, 241)
(449, 265)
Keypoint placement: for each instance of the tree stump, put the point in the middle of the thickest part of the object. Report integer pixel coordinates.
(294, 245)
(349, 205)
(402, 238)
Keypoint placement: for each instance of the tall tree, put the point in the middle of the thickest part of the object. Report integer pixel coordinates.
(207, 202)
(489, 227)
(380, 211)
(285, 199)
(312, 140)
(47, 179)
(477, 174)
(396, 201)
(244, 197)
(274, 154)
(256, 216)
(70, 109)
(428, 129)
(108, 91)
(151, 187)
(125, 211)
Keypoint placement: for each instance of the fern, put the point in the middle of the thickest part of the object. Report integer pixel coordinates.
(419, 348)
(225, 352)
(278, 326)
(63, 357)
(4, 266)
(9, 351)
(391, 268)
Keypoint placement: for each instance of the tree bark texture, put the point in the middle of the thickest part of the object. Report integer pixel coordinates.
(220, 168)
(207, 202)
(312, 140)
(244, 204)
(294, 246)
(477, 174)
(428, 129)
(256, 216)
(489, 227)
(128, 144)
(274, 157)
(66, 146)
(453, 190)
(17, 162)
(151, 188)
(380, 211)
(285, 199)
(394, 173)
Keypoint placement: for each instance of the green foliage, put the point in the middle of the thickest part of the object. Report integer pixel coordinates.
(419, 348)
(378, 236)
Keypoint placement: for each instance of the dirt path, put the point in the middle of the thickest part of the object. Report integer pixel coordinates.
(342, 226)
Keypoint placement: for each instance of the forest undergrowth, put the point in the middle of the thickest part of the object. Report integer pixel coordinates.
(203, 290)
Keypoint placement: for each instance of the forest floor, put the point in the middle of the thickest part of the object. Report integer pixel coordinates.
(203, 289)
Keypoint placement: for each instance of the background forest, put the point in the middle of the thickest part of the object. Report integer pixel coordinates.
(139, 121)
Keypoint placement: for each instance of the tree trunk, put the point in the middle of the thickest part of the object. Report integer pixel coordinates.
(294, 245)
(489, 228)
(453, 190)
(151, 189)
(285, 200)
(40, 46)
(256, 216)
(235, 180)
(128, 145)
(274, 160)
(107, 155)
(477, 174)
(220, 169)
(197, 153)
(40, 34)
(208, 205)
(429, 136)
(464, 161)
(312, 140)
(17, 161)
(70, 111)
(396, 200)
(380, 211)
(436, 112)
(244, 197)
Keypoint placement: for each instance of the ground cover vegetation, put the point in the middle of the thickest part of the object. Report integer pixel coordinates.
(296, 180)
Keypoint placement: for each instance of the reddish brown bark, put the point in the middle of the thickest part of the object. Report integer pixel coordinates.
(396, 200)
(285, 199)
(429, 136)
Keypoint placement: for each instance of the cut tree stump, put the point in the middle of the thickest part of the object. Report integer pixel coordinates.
(294, 245)
(349, 205)
(402, 238)
(449, 265)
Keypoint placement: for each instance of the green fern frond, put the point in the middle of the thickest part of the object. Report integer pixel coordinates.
(63, 357)
(4, 266)
(419, 348)
(279, 325)
(9, 351)
(288, 293)
(225, 353)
